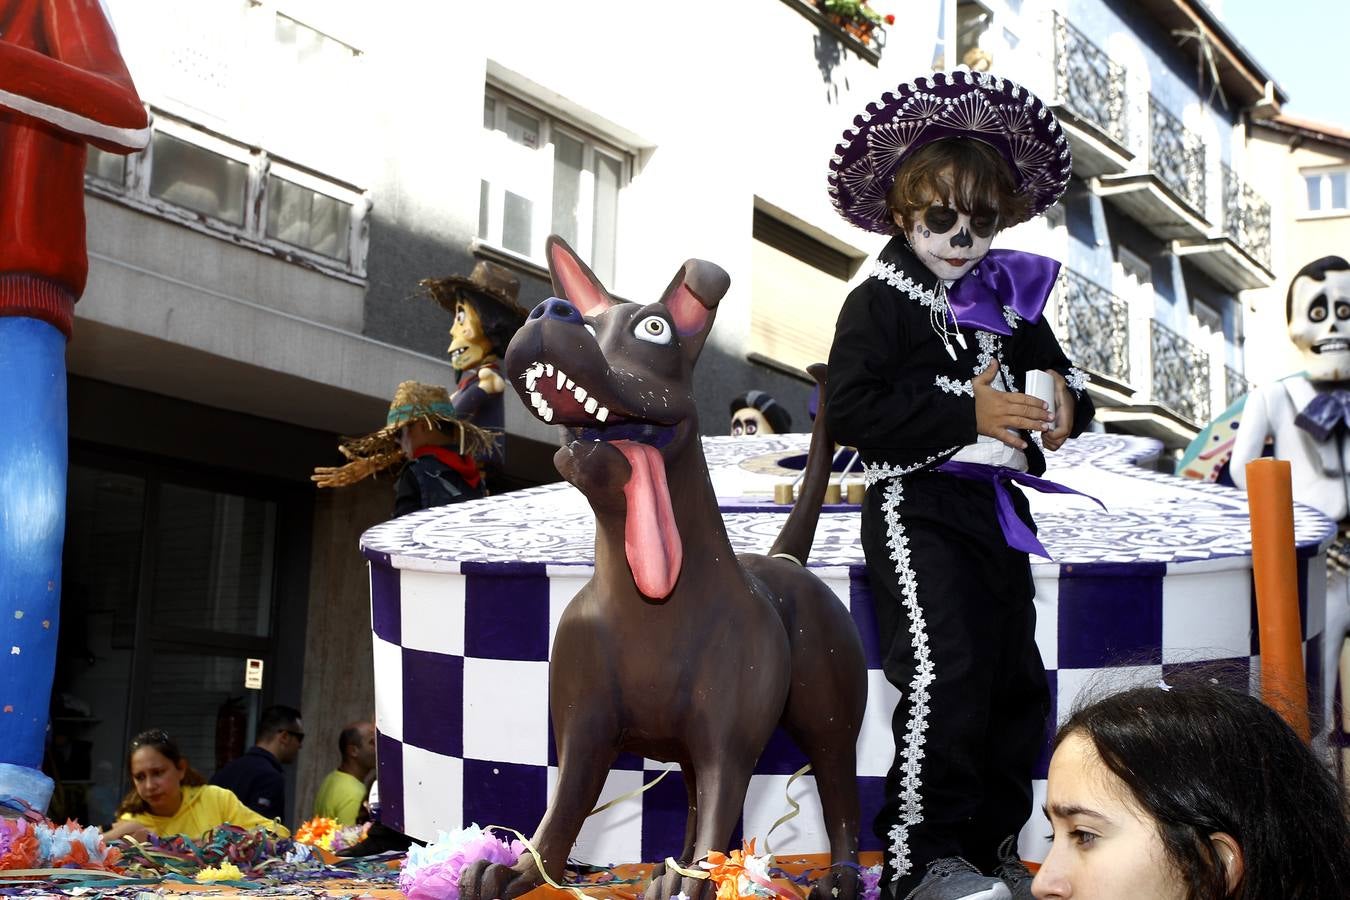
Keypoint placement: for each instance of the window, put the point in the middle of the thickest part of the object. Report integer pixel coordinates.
(798, 284)
(216, 185)
(542, 176)
(1328, 190)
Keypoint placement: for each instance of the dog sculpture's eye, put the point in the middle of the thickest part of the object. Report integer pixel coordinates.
(590, 328)
(654, 329)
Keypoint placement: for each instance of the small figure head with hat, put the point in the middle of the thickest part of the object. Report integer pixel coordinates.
(420, 414)
(485, 310)
(949, 160)
(755, 412)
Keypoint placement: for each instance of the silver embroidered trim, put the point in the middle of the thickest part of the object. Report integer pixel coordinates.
(916, 727)
(1011, 317)
(875, 473)
(902, 282)
(1077, 380)
(952, 386)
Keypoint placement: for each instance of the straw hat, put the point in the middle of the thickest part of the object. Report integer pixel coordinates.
(959, 104)
(487, 280)
(379, 450)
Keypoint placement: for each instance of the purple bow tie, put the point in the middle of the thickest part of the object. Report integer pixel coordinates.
(1325, 414)
(1011, 278)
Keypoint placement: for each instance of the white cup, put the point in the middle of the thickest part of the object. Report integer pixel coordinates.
(1041, 385)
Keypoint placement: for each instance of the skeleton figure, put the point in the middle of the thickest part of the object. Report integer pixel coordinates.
(1307, 416)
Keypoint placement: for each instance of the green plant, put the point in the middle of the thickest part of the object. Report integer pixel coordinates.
(855, 10)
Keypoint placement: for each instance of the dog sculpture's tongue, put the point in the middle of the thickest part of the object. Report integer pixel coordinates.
(651, 540)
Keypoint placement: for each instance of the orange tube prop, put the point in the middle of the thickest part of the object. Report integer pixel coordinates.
(1271, 503)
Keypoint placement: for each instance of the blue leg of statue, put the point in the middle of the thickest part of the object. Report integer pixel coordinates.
(32, 528)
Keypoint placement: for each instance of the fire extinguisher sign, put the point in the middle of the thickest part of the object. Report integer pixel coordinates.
(253, 669)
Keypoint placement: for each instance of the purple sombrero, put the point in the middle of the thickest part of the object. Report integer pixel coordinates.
(961, 103)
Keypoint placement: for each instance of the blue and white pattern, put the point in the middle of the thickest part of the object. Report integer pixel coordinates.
(465, 600)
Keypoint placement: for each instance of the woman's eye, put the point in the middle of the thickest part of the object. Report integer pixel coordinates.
(1082, 838)
(654, 329)
(940, 219)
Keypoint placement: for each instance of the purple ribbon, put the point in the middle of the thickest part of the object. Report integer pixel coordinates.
(1017, 533)
(1326, 413)
(1011, 278)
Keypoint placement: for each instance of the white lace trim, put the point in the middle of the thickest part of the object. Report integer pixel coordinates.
(902, 282)
(875, 473)
(916, 728)
(1011, 317)
(1077, 380)
(952, 386)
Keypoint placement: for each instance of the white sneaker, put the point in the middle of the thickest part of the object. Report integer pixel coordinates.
(953, 878)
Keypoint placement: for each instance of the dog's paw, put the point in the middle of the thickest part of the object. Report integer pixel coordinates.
(494, 881)
(667, 883)
(839, 883)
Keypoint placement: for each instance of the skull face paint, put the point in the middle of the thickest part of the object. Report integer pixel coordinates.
(1319, 324)
(949, 242)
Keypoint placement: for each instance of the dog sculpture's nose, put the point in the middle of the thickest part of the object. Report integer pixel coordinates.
(556, 308)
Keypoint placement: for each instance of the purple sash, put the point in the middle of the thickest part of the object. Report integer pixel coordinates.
(1018, 535)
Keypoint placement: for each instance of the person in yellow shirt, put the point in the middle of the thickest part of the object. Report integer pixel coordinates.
(170, 797)
(343, 789)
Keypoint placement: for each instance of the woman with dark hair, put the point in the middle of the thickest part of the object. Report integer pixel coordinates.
(168, 796)
(1190, 792)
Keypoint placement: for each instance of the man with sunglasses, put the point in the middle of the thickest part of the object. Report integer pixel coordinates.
(257, 778)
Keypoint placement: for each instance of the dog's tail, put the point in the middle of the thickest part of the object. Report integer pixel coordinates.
(799, 531)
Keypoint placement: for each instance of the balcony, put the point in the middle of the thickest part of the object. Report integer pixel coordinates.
(1235, 385)
(1181, 374)
(1168, 198)
(1094, 325)
(1090, 103)
(1238, 256)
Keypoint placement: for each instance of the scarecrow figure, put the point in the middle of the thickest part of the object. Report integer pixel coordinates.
(486, 316)
(755, 412)
(437, 448)
(63, 85)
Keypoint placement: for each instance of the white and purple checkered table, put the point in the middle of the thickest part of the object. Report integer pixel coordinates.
(465, 600)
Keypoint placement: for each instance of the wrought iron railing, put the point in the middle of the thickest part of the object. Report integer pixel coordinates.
(1176, 155)
(1180, 373)
(1246, 217)
(1089, 82)
(1095, 326)
(1235, 384)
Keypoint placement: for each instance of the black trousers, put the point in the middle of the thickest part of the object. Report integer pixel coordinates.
(957, 629)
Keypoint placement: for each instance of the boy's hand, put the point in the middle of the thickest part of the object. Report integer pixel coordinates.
(999, 414)
(1055, 437)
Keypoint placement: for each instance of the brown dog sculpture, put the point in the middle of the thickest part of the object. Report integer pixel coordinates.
(677, 649)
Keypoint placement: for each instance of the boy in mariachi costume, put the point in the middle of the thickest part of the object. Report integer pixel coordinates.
(927, 372)
(63, 85)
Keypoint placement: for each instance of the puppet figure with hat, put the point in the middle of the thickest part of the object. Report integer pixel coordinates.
(486, 316)
(929, 379)
(422, 431)
(755, 412)
(63, 85)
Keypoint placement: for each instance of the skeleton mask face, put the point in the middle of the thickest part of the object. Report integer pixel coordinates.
(1319, 324)
(748, 422)
(950, 242)
(469, 345)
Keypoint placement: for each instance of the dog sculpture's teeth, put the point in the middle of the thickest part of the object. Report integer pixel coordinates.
(561, 379)
(591, 405)
(536, 400)
(548, 369)
(579, 393)
(547, 414)
(571, 384)
(602, 414)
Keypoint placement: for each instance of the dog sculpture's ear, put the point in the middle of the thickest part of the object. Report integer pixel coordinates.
(692, 300)
(573, 280)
